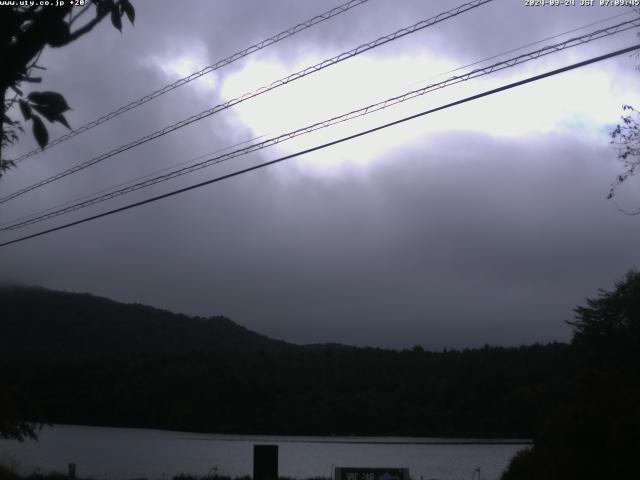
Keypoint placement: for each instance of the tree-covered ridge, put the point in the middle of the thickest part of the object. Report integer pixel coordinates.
(42, 322)
(88, 360)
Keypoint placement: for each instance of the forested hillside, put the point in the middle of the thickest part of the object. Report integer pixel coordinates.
(88, 360)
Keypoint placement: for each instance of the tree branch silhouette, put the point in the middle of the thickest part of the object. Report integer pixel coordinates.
(26, 32)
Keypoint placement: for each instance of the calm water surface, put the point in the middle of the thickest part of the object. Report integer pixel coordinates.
(117, 453)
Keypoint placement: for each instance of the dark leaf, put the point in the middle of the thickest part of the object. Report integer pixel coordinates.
(40, 132)
(63, 121)
(50, 99)
(46, 111)
(25, 109)
(115, 19)
(53, 116)
(128, 9)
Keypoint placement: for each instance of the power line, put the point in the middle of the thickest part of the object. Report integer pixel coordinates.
(278, 83)
(531, 44)
(328, 144)
(183, 81)
(77, 199)
(155, 172)
(597, 34)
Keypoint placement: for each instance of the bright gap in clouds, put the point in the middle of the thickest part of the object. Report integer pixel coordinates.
(582, 102)
(177, 64)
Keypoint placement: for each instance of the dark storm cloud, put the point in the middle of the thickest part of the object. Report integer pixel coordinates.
(457, 240)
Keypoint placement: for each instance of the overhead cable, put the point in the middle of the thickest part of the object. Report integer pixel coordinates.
(332, 121)
(156, 172)
(329, 144)
(189, 78)
(278, 83)
(531, 44)
(137, 179)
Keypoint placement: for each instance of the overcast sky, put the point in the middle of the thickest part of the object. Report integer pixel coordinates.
(484, 223)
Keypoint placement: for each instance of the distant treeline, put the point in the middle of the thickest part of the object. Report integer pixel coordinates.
(81, 359)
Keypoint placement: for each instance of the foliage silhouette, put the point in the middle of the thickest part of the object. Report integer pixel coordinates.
(626, 137)
(597, 435)
(25, 30)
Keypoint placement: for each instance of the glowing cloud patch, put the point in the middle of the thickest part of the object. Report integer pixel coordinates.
(579, 102)
(179, 64)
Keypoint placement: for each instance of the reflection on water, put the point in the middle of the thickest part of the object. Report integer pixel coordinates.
(116, 453)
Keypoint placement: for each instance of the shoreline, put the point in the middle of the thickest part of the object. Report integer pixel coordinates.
(322, 438)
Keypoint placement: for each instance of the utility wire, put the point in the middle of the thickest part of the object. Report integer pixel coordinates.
(155, 172)
(332, 121)
(183, 81)
(128, 182)
(328, 144)
(537, 42)
(278, 83)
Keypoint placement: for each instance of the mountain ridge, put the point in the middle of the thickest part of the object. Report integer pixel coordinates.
(76, 319)
(86, 360)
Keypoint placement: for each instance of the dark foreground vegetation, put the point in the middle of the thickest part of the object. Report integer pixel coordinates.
(80, 359)
(597, 434)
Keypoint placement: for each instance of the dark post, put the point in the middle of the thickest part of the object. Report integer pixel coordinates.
(265, 462)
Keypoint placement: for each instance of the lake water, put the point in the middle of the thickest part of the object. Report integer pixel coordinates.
(119, 453)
